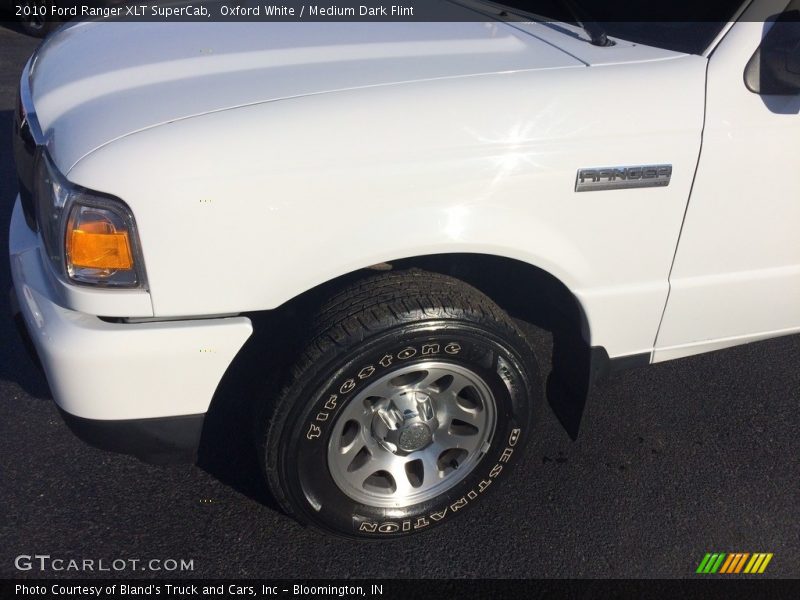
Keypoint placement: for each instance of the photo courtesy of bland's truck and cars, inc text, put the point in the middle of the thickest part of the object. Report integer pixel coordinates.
(292, 286)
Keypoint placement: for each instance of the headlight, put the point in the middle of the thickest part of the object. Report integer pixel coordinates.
(89, 237)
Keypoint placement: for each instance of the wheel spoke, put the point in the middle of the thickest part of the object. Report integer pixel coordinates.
(382, 389)
(446, 440)
(385, 462)
(430, 469)
(349, 451)
(472, 417)
(371, 466)
(449, 382)
(398, 472)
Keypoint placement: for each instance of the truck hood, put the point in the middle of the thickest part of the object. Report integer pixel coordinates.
(92, 83)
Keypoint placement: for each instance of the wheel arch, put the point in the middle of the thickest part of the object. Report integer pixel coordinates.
(525, 291)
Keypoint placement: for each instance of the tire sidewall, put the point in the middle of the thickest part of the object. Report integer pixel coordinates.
(503, 362)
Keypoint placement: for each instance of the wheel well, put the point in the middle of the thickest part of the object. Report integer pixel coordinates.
(526, 292)
(534, 296)
(259, 370)
(521, 289)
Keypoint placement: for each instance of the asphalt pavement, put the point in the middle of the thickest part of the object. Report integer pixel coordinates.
(672, 461)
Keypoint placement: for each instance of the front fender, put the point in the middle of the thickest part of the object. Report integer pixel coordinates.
(244, 209)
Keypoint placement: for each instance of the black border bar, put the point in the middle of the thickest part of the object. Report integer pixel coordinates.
(708, 587)
(637, 11)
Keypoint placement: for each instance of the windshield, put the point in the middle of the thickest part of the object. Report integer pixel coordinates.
(680, 25)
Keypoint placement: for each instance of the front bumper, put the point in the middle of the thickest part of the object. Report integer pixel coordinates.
(138, 388)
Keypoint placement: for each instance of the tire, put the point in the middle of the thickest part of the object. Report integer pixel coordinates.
(366, 439)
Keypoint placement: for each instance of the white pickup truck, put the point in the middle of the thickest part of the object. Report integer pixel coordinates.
(394, 192)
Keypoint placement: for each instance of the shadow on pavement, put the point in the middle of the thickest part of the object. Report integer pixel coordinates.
(15, 363)
(242, 405)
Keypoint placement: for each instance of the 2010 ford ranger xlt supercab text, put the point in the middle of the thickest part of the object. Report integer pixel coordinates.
(371, 203)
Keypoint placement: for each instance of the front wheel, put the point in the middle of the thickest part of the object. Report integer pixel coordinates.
(411, 403)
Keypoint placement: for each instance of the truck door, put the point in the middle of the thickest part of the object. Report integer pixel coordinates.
(736, 273)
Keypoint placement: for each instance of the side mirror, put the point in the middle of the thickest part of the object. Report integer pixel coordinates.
(774, 68)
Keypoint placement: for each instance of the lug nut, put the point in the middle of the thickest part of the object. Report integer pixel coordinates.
(424, 406)
(391, 417)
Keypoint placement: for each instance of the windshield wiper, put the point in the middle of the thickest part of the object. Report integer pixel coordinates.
(597, 35)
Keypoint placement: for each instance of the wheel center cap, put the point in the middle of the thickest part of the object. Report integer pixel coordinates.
(414, 437)
(405, 424)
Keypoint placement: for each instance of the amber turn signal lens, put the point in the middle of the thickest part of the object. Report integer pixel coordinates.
(96, 242)
(101, 250)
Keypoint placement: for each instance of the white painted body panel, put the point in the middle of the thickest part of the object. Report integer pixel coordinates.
(736, 276)
(244, 209)
(154, 73)
(109, 371)
(104, 302)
